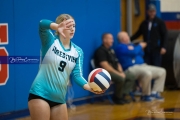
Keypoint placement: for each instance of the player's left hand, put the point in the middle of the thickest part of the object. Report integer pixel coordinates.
(163, 51)
(87, 87)
(97, 92)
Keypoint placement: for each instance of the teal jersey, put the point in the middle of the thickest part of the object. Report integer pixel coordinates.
(57, 64)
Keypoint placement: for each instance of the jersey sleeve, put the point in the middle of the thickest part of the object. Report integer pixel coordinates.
(45, 32)
(77, 72)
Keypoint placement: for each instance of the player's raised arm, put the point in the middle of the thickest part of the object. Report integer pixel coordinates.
(45, 31)
(45, 27)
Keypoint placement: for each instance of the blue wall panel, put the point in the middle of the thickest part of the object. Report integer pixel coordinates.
(170, 16)
(7, 92)
(93, 17)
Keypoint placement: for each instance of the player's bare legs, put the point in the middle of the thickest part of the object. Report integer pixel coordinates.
(39, 109)
(59, 112)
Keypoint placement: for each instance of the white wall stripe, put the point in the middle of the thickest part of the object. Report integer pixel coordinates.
(170, 5)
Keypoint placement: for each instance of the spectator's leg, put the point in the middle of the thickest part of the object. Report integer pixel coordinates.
(144, 77)
(158, 75)
(118, 82)
(156, 59)
(129, 83)
(146, 82)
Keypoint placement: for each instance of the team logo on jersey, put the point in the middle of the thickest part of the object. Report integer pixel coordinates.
(64, 55)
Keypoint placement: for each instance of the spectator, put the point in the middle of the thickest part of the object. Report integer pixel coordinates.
(131, 58)
(154, 34)
(105, 58)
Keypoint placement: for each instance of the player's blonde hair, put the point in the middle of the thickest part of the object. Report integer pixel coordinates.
(62, 17)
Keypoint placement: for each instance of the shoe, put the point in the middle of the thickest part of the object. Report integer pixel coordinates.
(137, 93)
(125, 100)
(118, 101)
(146, 98)
(157, 96)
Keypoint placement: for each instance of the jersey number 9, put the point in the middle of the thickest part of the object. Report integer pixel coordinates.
(62, 65)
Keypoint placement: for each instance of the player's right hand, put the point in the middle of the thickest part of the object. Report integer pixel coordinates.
(65, 25)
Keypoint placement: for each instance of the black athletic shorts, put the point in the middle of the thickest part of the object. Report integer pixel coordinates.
(51, 103)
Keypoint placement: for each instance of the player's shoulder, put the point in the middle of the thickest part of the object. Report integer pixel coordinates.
(77, 48)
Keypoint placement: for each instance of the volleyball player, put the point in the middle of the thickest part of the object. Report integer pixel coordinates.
(60, 58)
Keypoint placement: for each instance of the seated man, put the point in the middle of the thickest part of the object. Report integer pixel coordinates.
(131, 58)
(105, 58)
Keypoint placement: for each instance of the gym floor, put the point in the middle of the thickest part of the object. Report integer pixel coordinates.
(155, 110)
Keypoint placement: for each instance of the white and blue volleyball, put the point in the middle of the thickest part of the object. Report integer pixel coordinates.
(99, 79)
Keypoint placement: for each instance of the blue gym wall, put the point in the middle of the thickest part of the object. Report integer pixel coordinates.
(93, 17)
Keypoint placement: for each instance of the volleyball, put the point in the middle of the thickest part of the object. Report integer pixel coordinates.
(99, 79)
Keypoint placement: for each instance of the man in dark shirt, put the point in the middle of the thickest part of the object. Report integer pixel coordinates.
(105, 58)
(154, 34)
